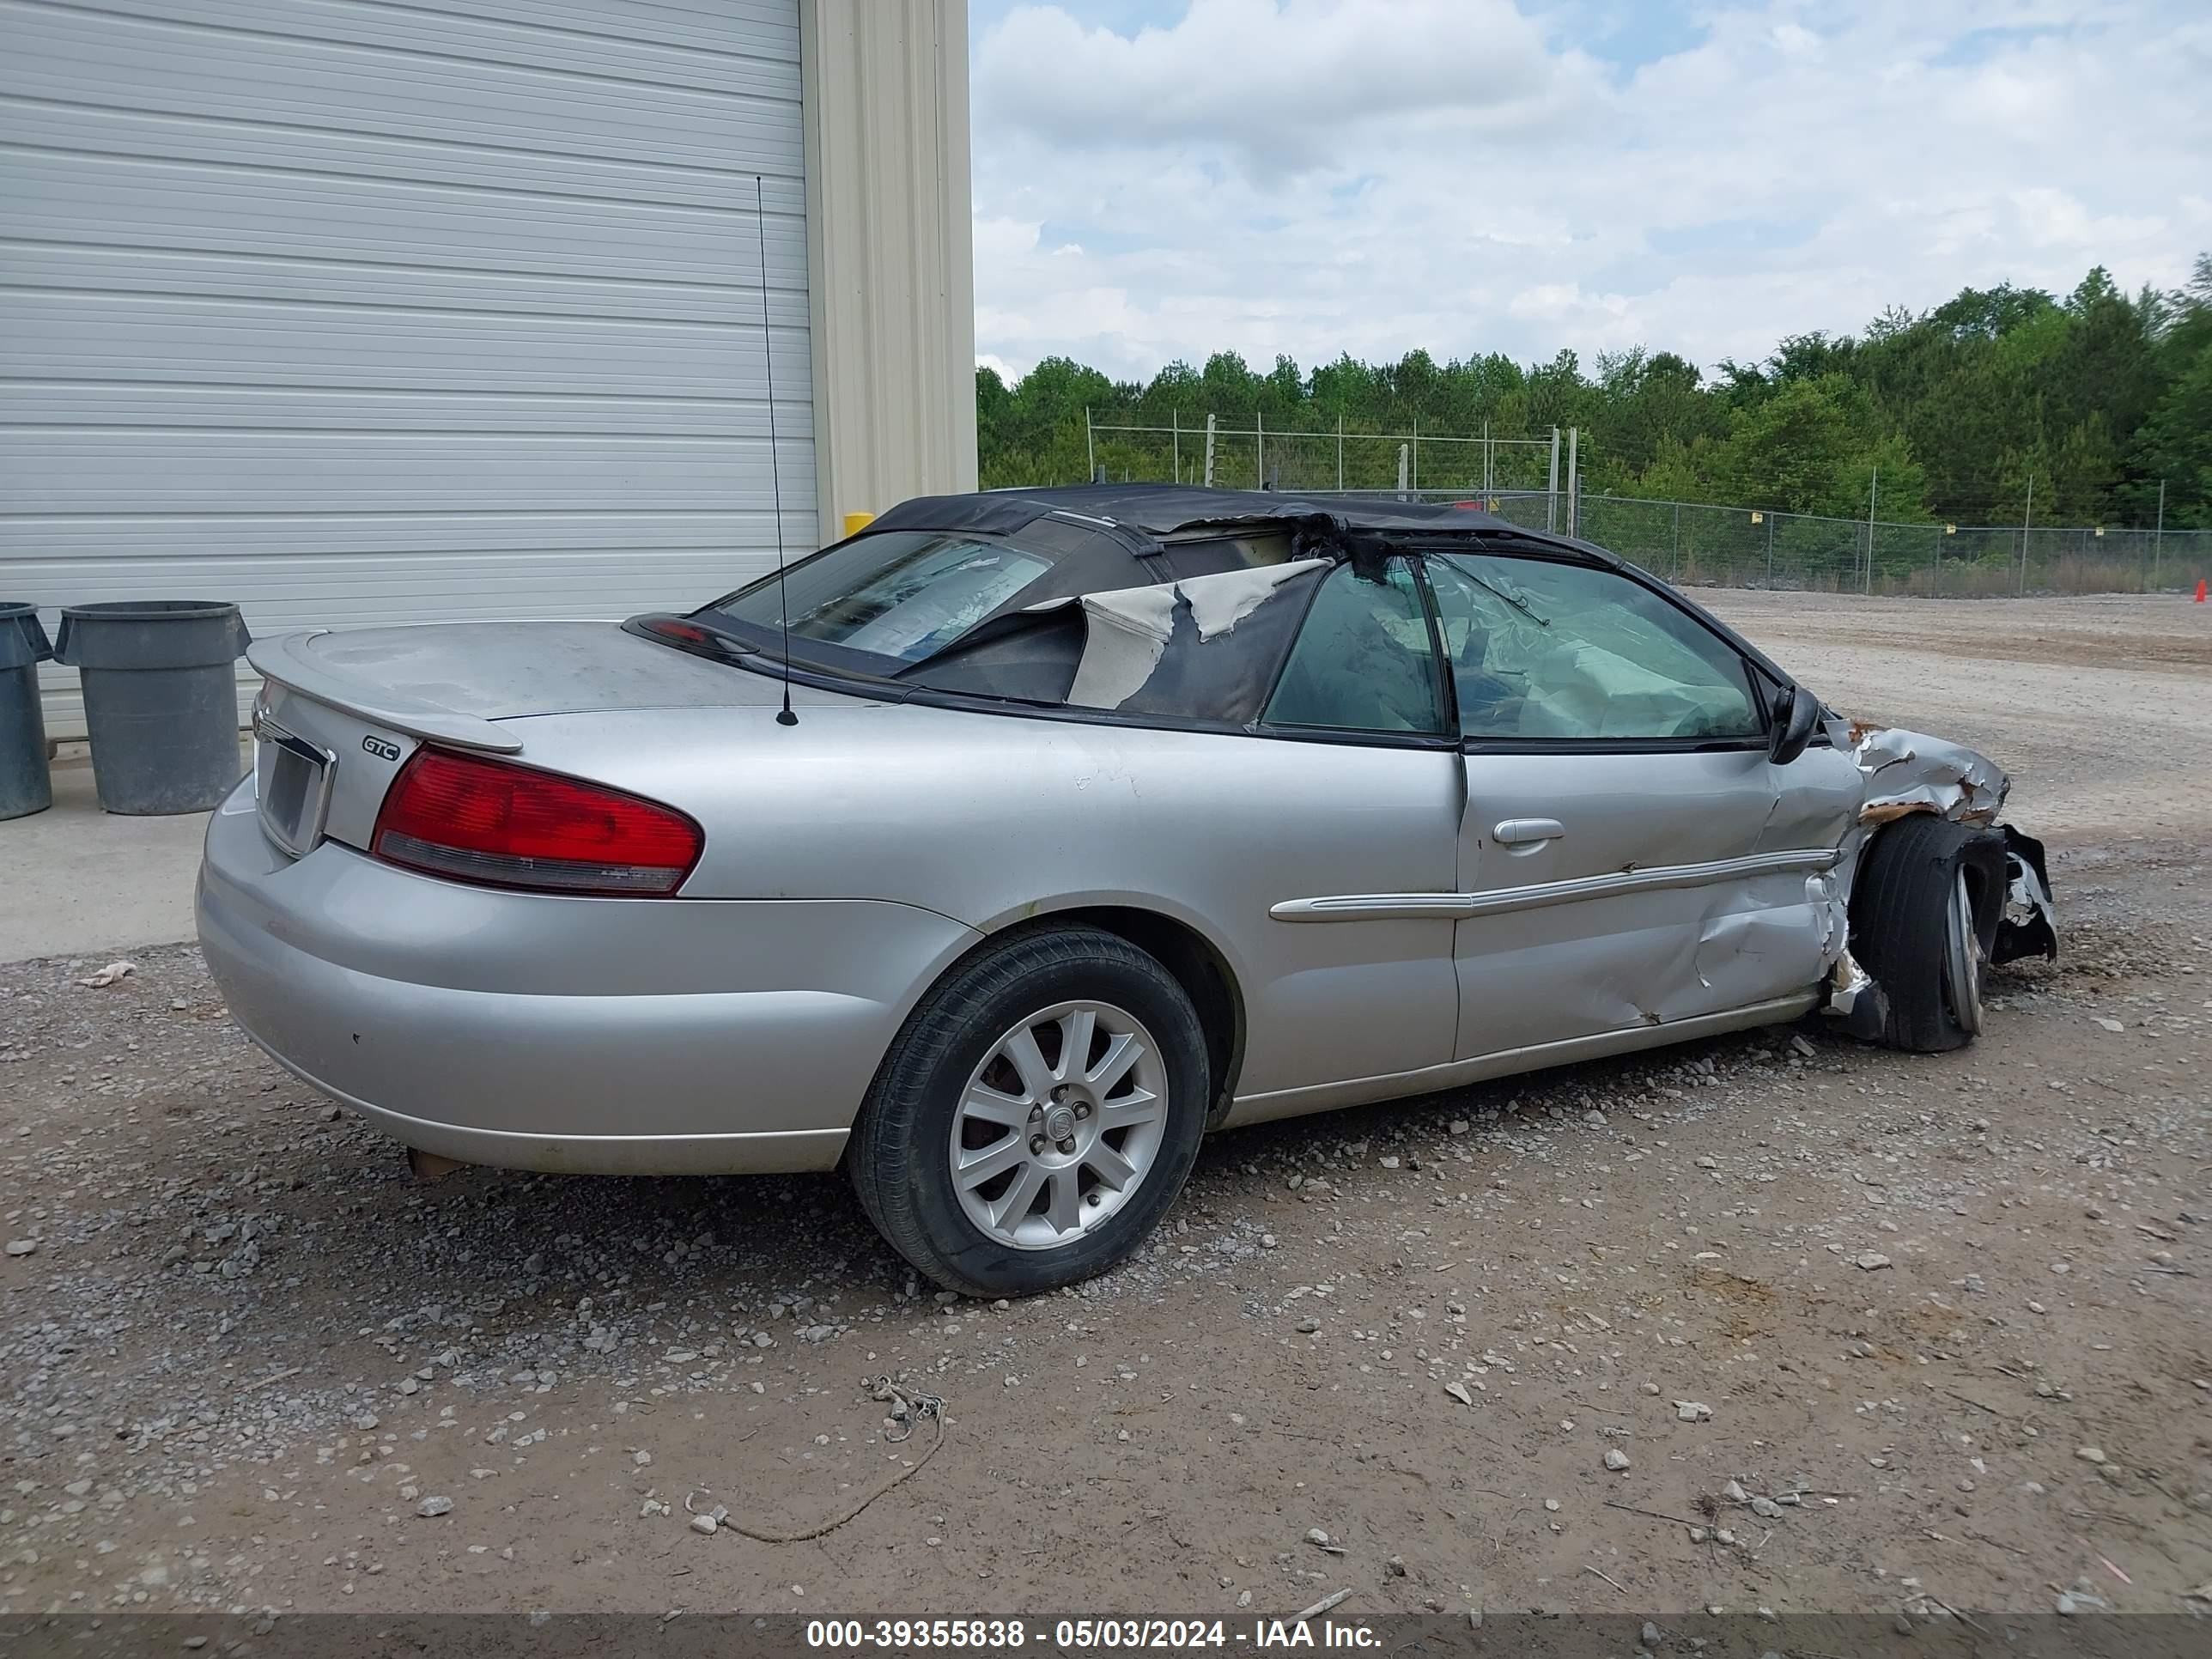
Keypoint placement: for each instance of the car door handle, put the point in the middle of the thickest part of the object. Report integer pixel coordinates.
(1522, 832)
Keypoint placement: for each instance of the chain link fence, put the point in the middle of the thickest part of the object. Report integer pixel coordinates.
(1310, 461)
(1690, 544)
(1694, 544)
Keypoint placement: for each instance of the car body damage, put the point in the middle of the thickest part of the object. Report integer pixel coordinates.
(1128, 630)
(1007, 847)
(1202, 638)
(1909, 772)
(1740, 949)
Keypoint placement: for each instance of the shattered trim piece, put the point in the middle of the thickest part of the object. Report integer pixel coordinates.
(1856, 999)
(2029, 924)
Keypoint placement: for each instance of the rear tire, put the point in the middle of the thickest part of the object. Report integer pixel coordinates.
(998, 1160)
(1916, 926)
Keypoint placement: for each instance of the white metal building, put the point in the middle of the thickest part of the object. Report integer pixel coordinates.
(356, 312)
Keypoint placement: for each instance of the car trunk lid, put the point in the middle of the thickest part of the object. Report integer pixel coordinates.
(453, 683)
(341, 712)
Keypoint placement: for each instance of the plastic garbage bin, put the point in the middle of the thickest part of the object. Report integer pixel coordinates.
(24, 786)
(160, 699)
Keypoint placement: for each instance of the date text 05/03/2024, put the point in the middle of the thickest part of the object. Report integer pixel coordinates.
(1083, 1635)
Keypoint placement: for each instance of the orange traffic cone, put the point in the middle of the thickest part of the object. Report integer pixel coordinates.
(2200, 590)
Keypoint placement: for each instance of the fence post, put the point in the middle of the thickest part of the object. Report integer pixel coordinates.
(1401, 470)
(1340, 454)
(1417, 454)
(2158, 536)
(1935, 567)
(1677, 574)
(1175, 425)
(1574, 486)
(1551, 488)
(1770, 550)
(1089, 448)
(1209, 451)
(1873, 484)
(1259, 450)
(2026, 523)
(1489, 458)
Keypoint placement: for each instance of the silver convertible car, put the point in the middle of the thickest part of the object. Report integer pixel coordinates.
(1000, 851)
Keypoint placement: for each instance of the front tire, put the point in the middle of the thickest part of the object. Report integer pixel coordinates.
(1036, 1114)
(1919, 923)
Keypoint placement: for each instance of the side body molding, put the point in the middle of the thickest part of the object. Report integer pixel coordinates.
(1392, 906)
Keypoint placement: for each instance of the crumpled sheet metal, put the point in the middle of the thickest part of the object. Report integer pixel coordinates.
(1740, 943)
(1738, 949)
(1128, 628)
(1911, 772)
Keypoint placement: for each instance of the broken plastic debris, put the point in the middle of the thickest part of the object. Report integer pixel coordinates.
(1847, 982)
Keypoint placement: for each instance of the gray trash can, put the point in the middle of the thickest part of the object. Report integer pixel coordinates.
(25, 785)
(160, 699)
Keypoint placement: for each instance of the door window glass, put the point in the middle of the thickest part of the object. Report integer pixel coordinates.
(1362, 662)
(1564, 651)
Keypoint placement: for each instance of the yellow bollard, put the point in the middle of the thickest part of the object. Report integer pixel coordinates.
(856, 522)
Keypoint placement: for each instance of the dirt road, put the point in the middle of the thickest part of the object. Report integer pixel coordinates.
(1870, 1332)
(2098, 708)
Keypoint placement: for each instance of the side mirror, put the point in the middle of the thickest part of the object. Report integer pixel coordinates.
(1796, 712)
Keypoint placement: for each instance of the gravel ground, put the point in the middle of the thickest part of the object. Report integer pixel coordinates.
(1774, 1321)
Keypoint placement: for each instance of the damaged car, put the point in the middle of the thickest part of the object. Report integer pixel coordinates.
(999, 852)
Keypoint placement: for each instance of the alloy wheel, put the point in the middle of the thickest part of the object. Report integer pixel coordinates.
(1962, 958)
(1058, 1125)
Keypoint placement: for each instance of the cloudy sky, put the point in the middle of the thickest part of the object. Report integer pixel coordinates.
(1157, 178)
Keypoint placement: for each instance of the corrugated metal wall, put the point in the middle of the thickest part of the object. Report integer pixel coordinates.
(362, 313)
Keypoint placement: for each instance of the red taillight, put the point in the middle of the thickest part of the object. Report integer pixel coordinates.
(491, 821)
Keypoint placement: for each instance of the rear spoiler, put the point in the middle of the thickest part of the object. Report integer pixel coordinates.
(285, 661)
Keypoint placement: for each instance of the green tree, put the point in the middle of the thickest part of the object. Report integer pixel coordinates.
(2096, 396)
(1792, 450)
(2176, 445)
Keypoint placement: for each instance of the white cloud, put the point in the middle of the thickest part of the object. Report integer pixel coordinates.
(1278, 87)
(1318, 176)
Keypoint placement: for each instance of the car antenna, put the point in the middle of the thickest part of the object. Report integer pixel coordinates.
(784, 717)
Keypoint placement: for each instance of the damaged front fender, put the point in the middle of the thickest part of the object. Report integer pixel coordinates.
(1910, 772)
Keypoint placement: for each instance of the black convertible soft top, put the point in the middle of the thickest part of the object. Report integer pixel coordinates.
(1143, 515)
(1114, 551)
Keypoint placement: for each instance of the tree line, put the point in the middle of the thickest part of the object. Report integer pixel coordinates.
(1951, 414)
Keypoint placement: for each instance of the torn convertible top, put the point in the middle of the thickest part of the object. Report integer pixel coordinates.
(1148, 521)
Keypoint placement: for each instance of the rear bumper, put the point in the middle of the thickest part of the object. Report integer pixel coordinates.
(581, 1035)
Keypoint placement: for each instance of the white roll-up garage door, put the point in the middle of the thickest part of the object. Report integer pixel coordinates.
(360, 312)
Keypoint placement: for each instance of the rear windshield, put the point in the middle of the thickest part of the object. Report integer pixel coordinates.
(902, 596)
